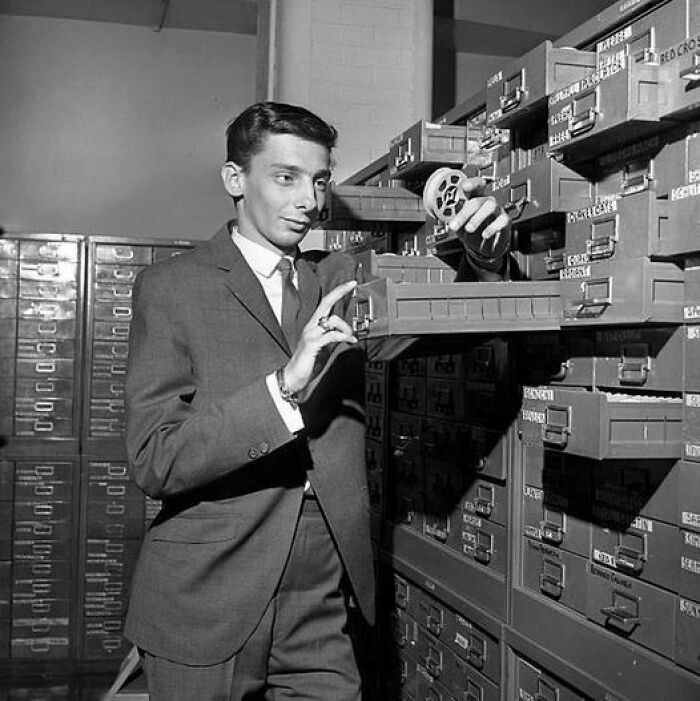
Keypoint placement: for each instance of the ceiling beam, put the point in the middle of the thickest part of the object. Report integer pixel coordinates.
(488, 39)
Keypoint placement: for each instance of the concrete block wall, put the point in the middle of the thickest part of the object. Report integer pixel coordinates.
(364, 65)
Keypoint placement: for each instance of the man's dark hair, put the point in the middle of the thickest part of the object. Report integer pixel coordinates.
(246, 134)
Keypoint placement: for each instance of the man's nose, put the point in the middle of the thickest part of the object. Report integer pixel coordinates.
(306, 196)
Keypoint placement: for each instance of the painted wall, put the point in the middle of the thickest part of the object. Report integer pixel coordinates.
(115, 129)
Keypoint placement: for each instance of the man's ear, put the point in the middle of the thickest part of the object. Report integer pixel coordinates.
(233, 176)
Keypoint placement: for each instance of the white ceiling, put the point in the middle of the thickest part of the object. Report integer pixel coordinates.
(476, 26)
(237, 16)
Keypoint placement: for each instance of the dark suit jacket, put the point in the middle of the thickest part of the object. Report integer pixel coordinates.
(204, 435)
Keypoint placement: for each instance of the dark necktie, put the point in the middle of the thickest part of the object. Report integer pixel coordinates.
(290, 302)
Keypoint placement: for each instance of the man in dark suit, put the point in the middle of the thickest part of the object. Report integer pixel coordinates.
(245, 416)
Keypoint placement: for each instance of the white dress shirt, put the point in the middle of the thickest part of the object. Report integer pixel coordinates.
(263, 263)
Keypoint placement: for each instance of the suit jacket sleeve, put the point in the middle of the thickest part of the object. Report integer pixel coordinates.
(176, 441)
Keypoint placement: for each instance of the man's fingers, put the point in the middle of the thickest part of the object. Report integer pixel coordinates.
(339, 324)
(336, 337)
(496, 226)
(488, 208)
(465, 214)
(336, 294)
(478, 212)
(473, 186)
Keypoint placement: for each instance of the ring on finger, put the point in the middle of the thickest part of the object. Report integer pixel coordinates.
(324, 324)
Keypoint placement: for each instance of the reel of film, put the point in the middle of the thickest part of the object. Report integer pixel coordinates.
(443, 198)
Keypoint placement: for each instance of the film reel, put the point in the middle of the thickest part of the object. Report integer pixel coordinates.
(442, 194)
(444, 198)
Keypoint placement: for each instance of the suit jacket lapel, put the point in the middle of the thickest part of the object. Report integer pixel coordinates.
(241, 281)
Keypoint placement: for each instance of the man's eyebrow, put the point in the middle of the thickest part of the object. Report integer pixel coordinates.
(325, 173)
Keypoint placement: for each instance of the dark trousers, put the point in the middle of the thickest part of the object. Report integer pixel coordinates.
(301, 649)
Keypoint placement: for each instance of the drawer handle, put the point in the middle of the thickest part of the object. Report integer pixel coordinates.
(491, 140)
(475, 651)
(44, 387)
(692, 74)
(401, 442)
(556, 433)
(43, 426)
(551, 532)
(48, 251)
(47, 328)
(405, 155)
(623, 614)
(434, 625)
(116, 471)
(629, 560)
(603, 247)
(111, 644)
(580, 124)
(634, 372)
(122, 311)
(512, 100)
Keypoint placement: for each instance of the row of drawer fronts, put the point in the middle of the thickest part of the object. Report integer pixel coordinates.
(655, 618)
(418, 610)
(478, 448)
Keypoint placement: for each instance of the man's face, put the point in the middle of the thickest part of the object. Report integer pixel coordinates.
(282, 192)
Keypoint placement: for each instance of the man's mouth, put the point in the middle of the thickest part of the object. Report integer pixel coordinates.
(297, 224)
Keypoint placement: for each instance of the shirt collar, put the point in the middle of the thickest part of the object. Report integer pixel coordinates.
(262, 260)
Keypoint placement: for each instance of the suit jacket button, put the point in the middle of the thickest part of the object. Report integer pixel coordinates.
(252, 453)
(264, 448)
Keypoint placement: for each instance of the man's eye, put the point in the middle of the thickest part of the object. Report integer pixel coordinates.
(284, 178)
(322, 185)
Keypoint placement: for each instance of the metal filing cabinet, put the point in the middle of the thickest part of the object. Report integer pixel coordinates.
(41, 293)
(376, 373)
(639, 357)
(113, 526)
(405, 480)
(598, 513)
(541, 188)
(524, 84)
(113, 264)
(60, 553)
(43, 580)
(114, 511)
(667, 35)
(631, 291)
(373, 203)
(601, 424)
(618, 103)
(424, 147)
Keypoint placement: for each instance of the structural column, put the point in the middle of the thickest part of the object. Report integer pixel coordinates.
(364, 65)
